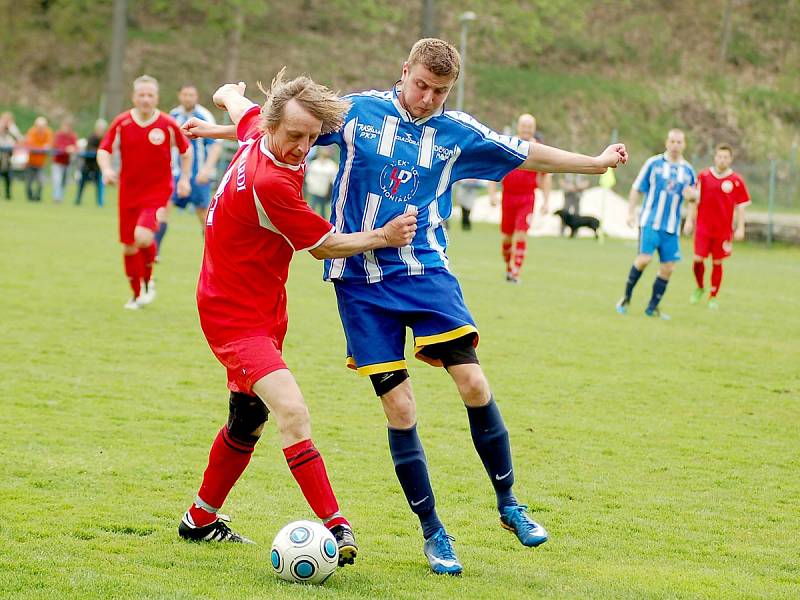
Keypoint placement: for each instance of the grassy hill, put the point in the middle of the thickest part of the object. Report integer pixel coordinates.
(583, 68)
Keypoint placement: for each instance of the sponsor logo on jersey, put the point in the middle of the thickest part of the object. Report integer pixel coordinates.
(368, 131)
(399, 181)
(156, 136)
(727, 186)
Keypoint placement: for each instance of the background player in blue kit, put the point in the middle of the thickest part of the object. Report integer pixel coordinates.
(204, 163)
(401, 151)
(664, 180)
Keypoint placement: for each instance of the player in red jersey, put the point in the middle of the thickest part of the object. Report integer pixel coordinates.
(256, 221)
(145, 137)
(719, 191)
(518, 200)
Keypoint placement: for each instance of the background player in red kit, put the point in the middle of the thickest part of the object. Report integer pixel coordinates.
(145, 136)
(256, 221)
(519, 197)
(719, 191)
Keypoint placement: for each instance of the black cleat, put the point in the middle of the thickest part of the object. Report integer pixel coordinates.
(217, 531)
(347, 544)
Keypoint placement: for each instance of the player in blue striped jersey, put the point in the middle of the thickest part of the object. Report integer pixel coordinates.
(663, 181)
(204, 163)
(401, 151)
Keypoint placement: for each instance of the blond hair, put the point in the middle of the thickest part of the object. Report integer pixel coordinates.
(724, 147)
(145, 79)
(438, 56)
(319, 101)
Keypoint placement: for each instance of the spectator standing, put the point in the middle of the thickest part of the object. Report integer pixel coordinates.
(39, 140)
(90, 172)
(320, 174)
(65, 144)
(9, 136)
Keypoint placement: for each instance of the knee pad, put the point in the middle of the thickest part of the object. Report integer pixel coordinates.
(246, 413)
(460, 351)
(386, 382)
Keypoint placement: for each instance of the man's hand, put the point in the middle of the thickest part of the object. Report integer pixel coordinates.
(614, 155)
(738, 235)
(493, 199)
(184, 187)
(689, 193)
(631, 220)
(225, 91)
(545, 207)
(196, 128)
(110, 177)
(401, 230)
(203, 176)
(688, 227)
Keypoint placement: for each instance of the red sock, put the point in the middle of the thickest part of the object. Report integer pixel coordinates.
(148, 257)
(226, 463)
(716, 279)
(507, 254)
(519, 256)
(133, 269)
(699, 272)
(306, 464)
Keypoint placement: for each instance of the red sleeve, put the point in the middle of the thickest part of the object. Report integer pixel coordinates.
(181, 140)
(742, 195)
(108, 139)
(281, 197)
(248, 124)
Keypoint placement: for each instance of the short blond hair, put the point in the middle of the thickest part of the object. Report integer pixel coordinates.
(319, 101)
(439, 57)
(142, 79)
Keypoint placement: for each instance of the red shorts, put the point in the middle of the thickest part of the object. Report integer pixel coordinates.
(517, 215)
(137, 216)
(717, 247)
(248, 360)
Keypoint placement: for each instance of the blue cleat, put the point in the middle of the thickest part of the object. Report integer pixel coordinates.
(656, 314)
(622, 305)
(516, 519)
(440, 554)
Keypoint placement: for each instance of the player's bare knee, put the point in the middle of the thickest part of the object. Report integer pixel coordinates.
(642, 261)
(143, 237)
(246, 417)
(129, 250)
(665, 270)
(399, 407)
(294, 416)
(472, 385)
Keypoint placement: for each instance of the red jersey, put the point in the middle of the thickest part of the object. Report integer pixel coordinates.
(145, 177)
(519, 184)
(718, 196)
(256, 221)
(63, 140)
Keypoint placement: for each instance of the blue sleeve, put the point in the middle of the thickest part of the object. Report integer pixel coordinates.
(485, 154)
(642, 181)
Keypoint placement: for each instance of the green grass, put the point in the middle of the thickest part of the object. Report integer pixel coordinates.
(661, 456)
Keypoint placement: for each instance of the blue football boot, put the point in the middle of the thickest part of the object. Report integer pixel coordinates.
(440, 554)
(530, 533)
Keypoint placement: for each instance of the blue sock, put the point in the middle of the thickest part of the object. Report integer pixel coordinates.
(659, 287)
(412, 471)
(162, 231)
(490, 436)
(633, 277)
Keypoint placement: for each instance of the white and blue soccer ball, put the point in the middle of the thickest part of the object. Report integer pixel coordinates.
(304, 552)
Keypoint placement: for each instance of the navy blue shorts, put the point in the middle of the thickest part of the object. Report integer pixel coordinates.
(200, 196)
(375, 317)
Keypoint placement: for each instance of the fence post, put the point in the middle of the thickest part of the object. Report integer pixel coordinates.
(773, 170)
(792, 187)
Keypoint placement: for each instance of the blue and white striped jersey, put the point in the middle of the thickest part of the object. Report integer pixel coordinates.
(390, 161)
(662, 183)
(200, 147)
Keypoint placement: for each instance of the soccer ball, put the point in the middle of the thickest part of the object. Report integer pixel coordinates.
(304, 552)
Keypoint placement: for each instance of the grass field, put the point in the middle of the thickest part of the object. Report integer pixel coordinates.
(661, 456)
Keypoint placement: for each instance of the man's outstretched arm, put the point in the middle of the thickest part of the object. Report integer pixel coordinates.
(397, 233)
(547, 159)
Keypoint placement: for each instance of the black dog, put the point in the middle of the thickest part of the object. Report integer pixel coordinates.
(575, 222)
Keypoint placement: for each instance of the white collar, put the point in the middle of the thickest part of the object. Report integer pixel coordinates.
(266, 151)
(680, 161)
(407, 116)
(141, 123)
